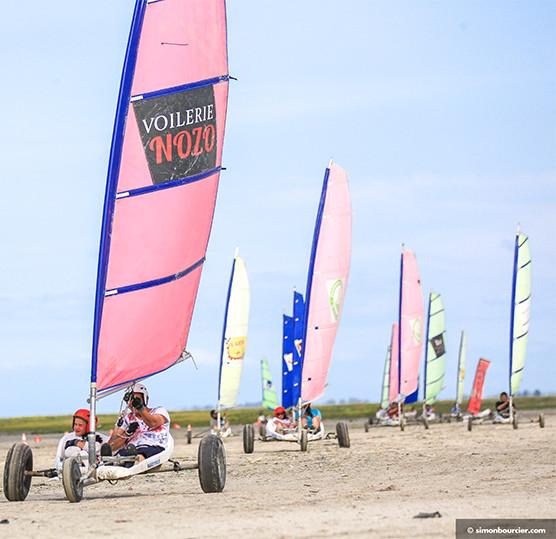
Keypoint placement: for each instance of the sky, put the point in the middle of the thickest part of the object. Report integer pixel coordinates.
(442, 113)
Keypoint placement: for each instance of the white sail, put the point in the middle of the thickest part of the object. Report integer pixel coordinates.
(461, 368)
(234, 339)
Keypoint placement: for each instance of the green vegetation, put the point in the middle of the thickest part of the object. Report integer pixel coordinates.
(200, 418)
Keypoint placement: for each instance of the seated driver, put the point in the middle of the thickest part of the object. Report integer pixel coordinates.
(280, 423)
(75, 443)
(310, 417)
(143, 431)
(429, 412)
(503, 406)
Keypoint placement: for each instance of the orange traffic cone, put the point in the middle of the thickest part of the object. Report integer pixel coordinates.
(37, 439)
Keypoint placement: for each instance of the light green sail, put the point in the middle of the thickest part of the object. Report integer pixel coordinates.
(386, 380)
(521, 310)
(461, 368)
(269, 393)
(435, 358)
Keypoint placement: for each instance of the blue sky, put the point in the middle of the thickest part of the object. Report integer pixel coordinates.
(443, 114)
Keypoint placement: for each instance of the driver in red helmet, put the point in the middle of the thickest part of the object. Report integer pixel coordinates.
(75, 443)
(280, 423)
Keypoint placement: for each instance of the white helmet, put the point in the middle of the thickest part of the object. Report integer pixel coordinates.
(137, 387)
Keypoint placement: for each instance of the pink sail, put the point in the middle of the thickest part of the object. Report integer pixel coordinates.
(394, 359)
(163, 178)
(327, 281)
(410, 326)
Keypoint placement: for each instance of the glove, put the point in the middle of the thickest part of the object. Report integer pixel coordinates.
(132, 428)
(137, 403)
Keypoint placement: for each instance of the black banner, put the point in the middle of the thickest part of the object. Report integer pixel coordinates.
(438, 345)
(178, 132)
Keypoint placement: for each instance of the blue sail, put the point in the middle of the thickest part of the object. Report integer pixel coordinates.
(298, 331)
(287, 362)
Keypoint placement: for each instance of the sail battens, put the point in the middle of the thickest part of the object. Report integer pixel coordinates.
(155, 282)
(181, 88)
(169, 184)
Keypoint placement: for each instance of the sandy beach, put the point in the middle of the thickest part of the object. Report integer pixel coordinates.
(373, 489)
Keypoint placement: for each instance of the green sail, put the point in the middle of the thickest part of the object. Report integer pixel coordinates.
(385, 401)
(269, 393)
(521, 309)
(435, 358)
(461, 367)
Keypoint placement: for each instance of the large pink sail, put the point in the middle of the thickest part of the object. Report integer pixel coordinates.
(327, 281)
(410, 326)
(394, 358)
(162, 182)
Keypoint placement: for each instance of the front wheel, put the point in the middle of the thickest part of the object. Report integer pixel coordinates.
(16, 482)
(514, 422)
(426, 423)
(402, 424)
(189, 436)
(541, 421)
(71, 479)
(342, 433)
(248, 438)
(366, 427)
(469, 424)
(211, 459)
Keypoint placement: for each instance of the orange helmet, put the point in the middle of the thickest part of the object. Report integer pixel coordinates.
(85, 415)
(279, 410)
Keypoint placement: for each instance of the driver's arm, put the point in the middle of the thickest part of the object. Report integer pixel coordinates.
(153, 421)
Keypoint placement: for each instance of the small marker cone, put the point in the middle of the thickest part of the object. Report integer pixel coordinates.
(37, 439)
(23, 437)
(177, 426)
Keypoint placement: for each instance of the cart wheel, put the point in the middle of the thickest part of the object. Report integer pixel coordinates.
(248, 438)
(71, 479)
(371, 420)
(469, 424)
(211, 459)
(366, 427)
(262, 431)
(449, 419)
(402, 424)
(541, 421)
(303, 440)
(342, 433)
(189, 436)
(18, 461)
(514, 422)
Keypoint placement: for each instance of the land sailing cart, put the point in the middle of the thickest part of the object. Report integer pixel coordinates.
(163, 173)
(305, 366)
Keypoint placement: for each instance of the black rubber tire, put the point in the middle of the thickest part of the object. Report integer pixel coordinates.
(449, 419)
(211, 459)
(262, 431)
(514, 422)
(71, 479)
(371, 420)
(541, 421)
(342, 433)
(402, 424)
(426, 423)
(189, 436)
(248, 438)
(303, 440)
(366, 427)
(16, 483)
(469, 424)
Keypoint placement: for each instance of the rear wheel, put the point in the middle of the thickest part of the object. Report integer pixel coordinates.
(211, 459)
(71, 479)
(303, 440)
(262, 431)
(469, 424)
(16, 483)
(402, 424)
(426, 423)
(514, 421)
(366, 427)
(189, 436)
(342, 433)
(541, 421)
(248, 439)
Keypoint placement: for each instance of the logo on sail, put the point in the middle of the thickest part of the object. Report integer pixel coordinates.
(335, 297)
(288, 360)
(297, 343)
(236, 347)
(438, 345)
(416, 329)
(178, 132)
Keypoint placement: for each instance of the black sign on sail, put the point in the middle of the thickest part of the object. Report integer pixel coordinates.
(178, 132)
(438, 345)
